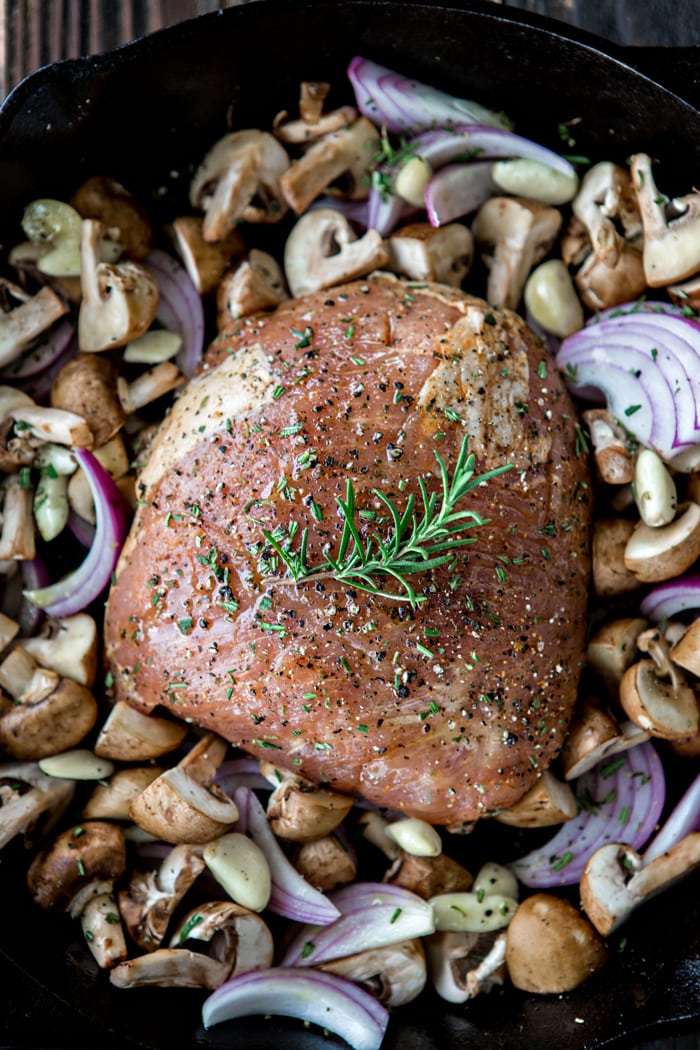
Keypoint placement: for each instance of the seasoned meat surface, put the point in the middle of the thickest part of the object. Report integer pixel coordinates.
(447, 709)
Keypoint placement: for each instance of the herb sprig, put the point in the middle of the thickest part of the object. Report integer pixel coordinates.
(414, 544)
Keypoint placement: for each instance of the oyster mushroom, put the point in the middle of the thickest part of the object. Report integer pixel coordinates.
(323, 249)
(395, 974)
(148, 900)
(616, 880)
(75, 873)
(239, 179)
(29, 800)
(119, 300)
(182, 805)
(671, 228)
(51, 713)
(423, 252)
(347, 152)
(513, 234)
(550, 947)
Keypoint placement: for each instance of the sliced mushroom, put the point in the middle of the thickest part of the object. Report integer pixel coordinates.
(616, 880)
(9, 629)
(30, 801)
(611, 576)
(22, 326)
(110, 800)
(347, 152)
(300, 811)
(603, 238)
(255, 284)
(51, 713)
(654, 694)
(395, 974)
(671, 228)
(130, 736)
(686, 651)
(325, 863)
(323, 249)
(205, 261)
(114, 457)
(463, 965)
(423, 252)
(613, 459)
(513, 234)
(87, 385)
(687, 294)
(303, 131)
(75, 872)
(237, 180)
(183, 805)
(237, 941)
(148, 900)
(119, 300)
(155, 382)
(549, 801)
(17, 539)
(550, 947)
(612, 647)
(594, 735)
(67, 645)
(429, 876)
(653, 554)
(372, 827)
(125, 221)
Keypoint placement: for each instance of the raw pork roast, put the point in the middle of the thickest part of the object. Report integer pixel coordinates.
(447, 711)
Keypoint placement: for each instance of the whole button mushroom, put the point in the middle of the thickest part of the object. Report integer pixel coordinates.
(551, 947)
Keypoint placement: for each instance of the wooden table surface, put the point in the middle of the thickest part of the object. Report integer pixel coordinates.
(36, 32)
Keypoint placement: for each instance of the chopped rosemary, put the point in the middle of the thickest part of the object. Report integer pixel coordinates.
(414, 544)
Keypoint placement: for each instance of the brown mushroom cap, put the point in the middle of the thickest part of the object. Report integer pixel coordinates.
(87, 384)
(43, 725)
(103, 198)
(551, 947)
(79, 855)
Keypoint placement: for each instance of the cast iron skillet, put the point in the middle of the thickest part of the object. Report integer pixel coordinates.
(151, 109)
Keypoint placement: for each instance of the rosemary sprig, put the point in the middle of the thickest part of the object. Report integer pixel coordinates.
(413, 544)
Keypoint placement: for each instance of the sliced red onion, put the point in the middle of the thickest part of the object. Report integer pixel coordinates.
(241, 772)
(314, 997)
(292, 896)
(622, 799)
(43, 354)
(77, 590)
(646, 365)
(642, 306)
(457, 190)
(34, 574)
(683, 819)
(671, 597)
(385, 209)
(356, 212)
(38, 386)
(402, 103)
(373, 915)
(477, 142)
(180, 308)
(84, 531)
